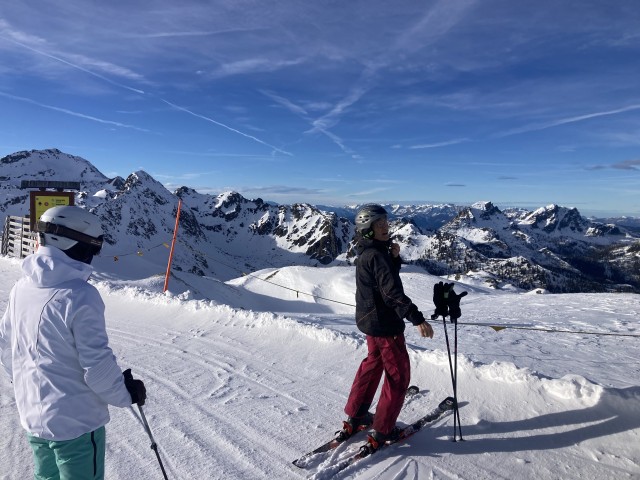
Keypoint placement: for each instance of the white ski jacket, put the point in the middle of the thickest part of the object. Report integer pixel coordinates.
(54, 344)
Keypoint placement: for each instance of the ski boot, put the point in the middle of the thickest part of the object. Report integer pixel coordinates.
(376, 439)
(352, 425)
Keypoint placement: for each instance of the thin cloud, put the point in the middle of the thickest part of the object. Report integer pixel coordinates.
(627, 165)
(338, 141)
(122, 72)
(253, 65)
(356, 93)
(104, 66)
(195, 33)
(75, 114)
(454, 185)
(440, 144)
(319, 106)
(368, 193)
(16, 36)
(289, 105)
(284, 190)
(302, 113)
(342, 180)
(219, 154)
(197, 115)
(183, 176)
(624, 139)
(624, 165)
(437, 22)
(543, 126)
(387, 181)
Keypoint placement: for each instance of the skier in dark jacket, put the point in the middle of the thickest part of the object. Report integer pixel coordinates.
(381, 306)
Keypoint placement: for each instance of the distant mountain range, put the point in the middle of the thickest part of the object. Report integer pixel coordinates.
(223, 236)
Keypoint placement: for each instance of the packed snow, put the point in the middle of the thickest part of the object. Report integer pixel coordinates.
(247, 375)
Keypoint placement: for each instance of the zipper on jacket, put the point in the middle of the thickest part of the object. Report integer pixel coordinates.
(95, 454)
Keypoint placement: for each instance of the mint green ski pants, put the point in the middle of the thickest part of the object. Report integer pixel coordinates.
(79, 459)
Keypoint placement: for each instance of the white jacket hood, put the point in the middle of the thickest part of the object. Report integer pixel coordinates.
(51, 267)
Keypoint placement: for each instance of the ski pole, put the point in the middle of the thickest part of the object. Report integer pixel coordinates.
(453, 381)
(455, 377)
(154, 445)
(456, 414)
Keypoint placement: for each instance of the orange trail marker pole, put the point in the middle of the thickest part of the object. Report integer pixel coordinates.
(173, 244)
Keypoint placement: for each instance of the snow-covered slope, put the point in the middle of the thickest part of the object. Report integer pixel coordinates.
(244, 381)
(43, 165)
(50, 165)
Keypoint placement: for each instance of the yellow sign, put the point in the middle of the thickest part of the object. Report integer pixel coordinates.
(43, 201)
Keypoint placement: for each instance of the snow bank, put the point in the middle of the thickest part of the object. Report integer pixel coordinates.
(245, 376)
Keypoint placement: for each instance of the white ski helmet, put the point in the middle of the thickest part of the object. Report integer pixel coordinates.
(367, 215)
(64, 227)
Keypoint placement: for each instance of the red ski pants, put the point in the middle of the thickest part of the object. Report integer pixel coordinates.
(388, 355)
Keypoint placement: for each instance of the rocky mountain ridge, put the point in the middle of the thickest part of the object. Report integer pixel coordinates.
(552, 247)
(222, 236)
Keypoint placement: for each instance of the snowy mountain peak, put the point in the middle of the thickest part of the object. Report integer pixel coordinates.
(554, 218)
(141, 178)
(226, 199)
(487, 210)
(117, 183)
(224, 235)
(49, 164)
(485, 206)
(480, 213)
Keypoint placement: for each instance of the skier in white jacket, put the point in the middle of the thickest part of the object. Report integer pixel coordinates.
(54, 345)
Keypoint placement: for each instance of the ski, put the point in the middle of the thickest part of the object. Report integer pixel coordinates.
(332, 444)
(445, 406)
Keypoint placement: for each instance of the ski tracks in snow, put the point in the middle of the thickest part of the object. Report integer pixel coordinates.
(238, 394)
(205, 382)
(231, 394)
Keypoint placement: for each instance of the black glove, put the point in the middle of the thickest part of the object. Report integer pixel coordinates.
(135, 387)
(453, 300)
(440, 300)
(415, 317)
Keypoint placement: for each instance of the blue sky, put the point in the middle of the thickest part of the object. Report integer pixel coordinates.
(337, 102)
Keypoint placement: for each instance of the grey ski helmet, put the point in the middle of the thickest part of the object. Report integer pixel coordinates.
(367, 215)
(66, 226)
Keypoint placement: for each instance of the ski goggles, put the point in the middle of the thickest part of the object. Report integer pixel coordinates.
(94, 242)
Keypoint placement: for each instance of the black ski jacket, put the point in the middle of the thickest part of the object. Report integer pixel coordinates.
(380, 300)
